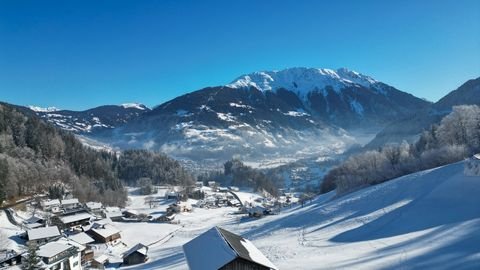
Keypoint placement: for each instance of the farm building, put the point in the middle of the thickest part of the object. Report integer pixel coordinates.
(43, 235)
(220, 249)
(105, 234)
(136, 255)
(76, 220)
(100, 262)
(51, 205)
(70, 204)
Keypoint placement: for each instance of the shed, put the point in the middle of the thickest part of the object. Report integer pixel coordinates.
(218, 248)
(136, 255)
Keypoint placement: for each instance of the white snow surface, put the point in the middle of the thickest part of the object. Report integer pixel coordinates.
(302, 80)
(427, 220)
(133, 105)
(41, 109)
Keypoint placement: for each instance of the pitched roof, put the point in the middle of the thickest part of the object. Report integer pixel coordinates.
(74, 218)
(45, 232)
(51, 249)
(107, 231)
(140, 248)
(50, 202)
(245, 249)
(217, 247)
(94, 205)
(69, 201)
(81, 238)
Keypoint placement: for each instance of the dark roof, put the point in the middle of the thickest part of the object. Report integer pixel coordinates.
(141, 248)
(237, 243)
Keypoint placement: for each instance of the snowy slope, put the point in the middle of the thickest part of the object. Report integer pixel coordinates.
(427, 220)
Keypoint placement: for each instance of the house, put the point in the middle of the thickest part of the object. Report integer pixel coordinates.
(86, 241)
(43, 235)
(218, 248)
(136, 255)
(113, 213)
(9, 258)
(107, 234)
(130, 213)
(57, 255)
(222, 189)
(199, 184)
(166, 218)
(51, 205)
(70, 204)
(172, 195)
(256, 211)
(76, 220)
(212, 184)
(34, 222)
(100, 262)
(94, 208)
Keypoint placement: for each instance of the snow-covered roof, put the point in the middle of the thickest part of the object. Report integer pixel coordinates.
(106, 231)
(140, 248)
(69, 201)
(33, 219)
(94, 205)
(74, 218)
(51, 249)
(81, 238)
(45, 232)
(101, 259)
(477, 156)
(217, 247)
(50, 203)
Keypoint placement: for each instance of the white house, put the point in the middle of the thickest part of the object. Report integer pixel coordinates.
(59, 256)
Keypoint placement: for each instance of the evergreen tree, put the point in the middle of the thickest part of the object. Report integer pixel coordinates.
(32, 261)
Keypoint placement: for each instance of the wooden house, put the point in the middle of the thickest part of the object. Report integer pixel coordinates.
(105, 234)
(136, 255)
(75, 220)
(220, 249)
(100, 262)
(43, 235)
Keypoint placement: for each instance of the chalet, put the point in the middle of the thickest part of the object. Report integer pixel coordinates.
(105, 234)
(76, 220)
(220, 249)
(51, 205)
(43, 235)
(57, 255)
(212, 184)
(199, 184)
(113, 213)
(70, 204)
(168, 217)
(100, 262)
(94, 208)
(172, 195)
(256, 211)
(85, 240)
(130, 213)
(136, 255)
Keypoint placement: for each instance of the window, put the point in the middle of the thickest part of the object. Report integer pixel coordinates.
(75, 264)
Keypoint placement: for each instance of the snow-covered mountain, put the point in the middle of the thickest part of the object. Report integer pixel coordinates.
(91, 120)
(297, 111)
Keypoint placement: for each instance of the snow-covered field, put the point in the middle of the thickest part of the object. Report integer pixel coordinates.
(427, 220)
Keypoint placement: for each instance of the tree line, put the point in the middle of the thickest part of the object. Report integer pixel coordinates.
(35, 155)
(456, 137)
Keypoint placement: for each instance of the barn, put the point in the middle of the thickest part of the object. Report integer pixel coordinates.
(136, 255)
(218, 248)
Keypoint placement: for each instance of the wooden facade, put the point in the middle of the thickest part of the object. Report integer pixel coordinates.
(242, 264)
(135, 258)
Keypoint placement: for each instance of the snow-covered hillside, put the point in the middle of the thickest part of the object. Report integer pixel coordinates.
(427, 220)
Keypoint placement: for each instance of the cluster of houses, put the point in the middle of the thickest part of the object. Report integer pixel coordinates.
(68, 235)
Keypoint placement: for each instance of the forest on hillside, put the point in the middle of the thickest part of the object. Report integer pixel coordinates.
(455, 138)
(35, 155)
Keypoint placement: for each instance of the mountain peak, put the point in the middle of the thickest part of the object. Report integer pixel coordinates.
(302, 80)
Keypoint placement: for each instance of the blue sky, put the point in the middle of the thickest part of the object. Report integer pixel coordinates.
(80, 54)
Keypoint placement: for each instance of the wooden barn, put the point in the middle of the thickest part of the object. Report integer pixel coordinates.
(136, 255)
(105, 234)
(220, 249)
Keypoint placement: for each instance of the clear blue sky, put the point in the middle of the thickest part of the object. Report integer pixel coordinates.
(79, 54)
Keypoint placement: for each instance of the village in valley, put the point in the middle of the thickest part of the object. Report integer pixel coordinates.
(69, 234)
